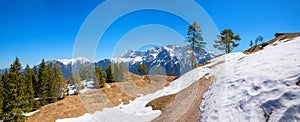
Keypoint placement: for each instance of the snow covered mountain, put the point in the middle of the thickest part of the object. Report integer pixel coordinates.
(171, 59)
(261, 86)
(174, 60)
(73, 61)
(67, 65)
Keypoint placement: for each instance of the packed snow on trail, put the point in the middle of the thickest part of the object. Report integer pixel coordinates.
(136, 110)
(257, 87)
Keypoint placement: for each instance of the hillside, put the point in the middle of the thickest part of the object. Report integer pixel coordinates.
(260, 86)
(68, 107)
(136, 110)
(97, 99)
(286, 37)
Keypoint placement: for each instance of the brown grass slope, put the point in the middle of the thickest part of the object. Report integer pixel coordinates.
(97, 99)
(67, 108)
(258, 47)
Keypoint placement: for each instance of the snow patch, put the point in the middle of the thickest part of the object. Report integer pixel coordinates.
(137, 59)
(247, 87)
(30, 113)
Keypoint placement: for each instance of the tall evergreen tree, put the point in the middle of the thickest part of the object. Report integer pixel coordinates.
(220, 44)
(1, 96)
(6, 96)
(23, 96)
(14, 93)
(110, 73)
(86, 72)
(259, 39)
(90, 71)
(43, 76)
(103, 79)
(71, 80)
(227, 41)
(52, 83)
(77, 78)
(116, 72)
(60, 80)
(121, 71)
(251, 43)
(100, 76)
(29, 76)
(35, 82)
(195, 40)
(142, 69)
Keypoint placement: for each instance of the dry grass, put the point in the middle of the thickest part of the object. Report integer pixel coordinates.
(66, 108)
(97, 99)
(282, 37)
(219, 62)
(115, 93)
(162, 102)
(204, 63)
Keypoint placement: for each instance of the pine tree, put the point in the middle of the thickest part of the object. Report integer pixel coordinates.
(251, 43)
(43, 76)
(220, 44)
(110, 73)
(116, 72)
(23, 96)
(60, 80)
(83, 71)
(142, 69)
(14, 100)
(227, 41)
(77, 78)
(29, 76)
(35, 82)
(195, 40)
(71, 80)
(122, 71)
(100, 76)
(90, 71)
(6, 96)
(259, 39)
(53, 83)
(1, 96)
(18, 86)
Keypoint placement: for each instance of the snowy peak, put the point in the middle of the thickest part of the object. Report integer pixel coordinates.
(132, 54)
(172, 51)
(120, 60)
(174, 59)
(72, 61)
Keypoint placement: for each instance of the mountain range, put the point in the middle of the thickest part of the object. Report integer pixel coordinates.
(165, 60)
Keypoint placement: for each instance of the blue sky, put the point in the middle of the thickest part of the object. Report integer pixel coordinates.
(36, 29)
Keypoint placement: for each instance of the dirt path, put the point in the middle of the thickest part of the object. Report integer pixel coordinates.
(183, 106)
